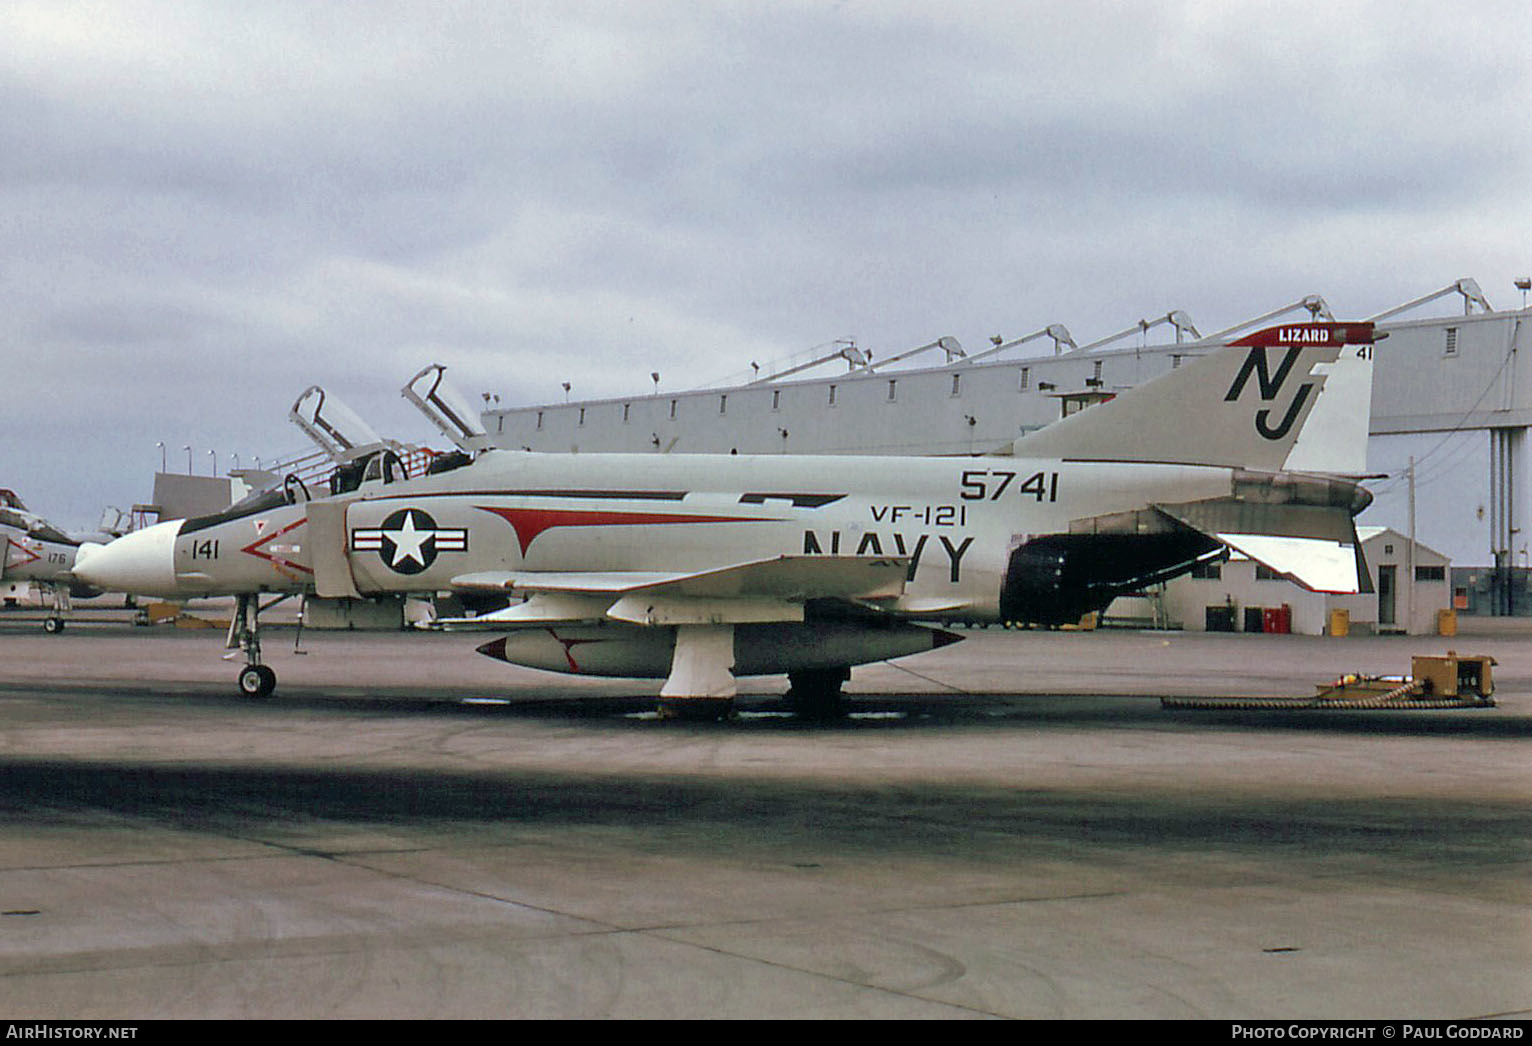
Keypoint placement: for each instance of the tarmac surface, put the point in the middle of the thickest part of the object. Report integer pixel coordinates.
(1007, 827)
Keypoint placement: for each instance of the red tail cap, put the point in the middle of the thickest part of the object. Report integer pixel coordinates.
(1289, 334)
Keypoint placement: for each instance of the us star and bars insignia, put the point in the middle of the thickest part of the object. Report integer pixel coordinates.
(409, 540)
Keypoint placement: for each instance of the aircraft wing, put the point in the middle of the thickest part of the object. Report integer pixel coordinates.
(755, 591)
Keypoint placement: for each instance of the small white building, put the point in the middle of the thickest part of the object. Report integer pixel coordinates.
(1241, 595)
(1411, 587)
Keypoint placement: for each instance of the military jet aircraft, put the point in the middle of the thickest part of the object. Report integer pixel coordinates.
(701, 568)
(34, 550)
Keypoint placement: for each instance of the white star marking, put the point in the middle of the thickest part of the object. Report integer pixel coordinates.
(408, 541)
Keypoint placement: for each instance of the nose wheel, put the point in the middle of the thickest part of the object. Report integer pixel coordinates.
(255, 679)
(54, 623)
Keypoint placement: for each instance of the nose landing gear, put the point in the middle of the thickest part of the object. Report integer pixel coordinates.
(54, 623)
(255, 679)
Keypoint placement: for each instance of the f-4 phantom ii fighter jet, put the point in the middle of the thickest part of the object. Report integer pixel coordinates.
(700, 568)
(32, 549)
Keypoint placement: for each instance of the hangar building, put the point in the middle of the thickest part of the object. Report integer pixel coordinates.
(1450, 411)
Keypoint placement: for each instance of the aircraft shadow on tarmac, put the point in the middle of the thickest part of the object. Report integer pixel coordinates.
(862, 712)
(736, 813)
(997, 711)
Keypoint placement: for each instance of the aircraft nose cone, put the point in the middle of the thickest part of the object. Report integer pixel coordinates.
(142, 563)
(86, 549)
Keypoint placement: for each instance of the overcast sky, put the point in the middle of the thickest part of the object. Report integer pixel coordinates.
(208, 207)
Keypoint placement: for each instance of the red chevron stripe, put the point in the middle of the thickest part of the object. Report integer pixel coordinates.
(283, 565)
(530, 522)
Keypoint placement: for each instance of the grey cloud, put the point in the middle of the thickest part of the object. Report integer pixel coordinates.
(205, 208)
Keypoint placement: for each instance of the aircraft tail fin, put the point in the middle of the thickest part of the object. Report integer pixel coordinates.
(1296, 397)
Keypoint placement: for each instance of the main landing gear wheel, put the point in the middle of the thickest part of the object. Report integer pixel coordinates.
(697, 709)
(53, 625)
(815, 693)
(257, 681)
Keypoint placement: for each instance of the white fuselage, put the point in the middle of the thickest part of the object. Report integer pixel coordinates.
(955, 519)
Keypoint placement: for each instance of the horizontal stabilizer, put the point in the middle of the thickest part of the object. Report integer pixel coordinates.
(1317, 564)
(1301, 527)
